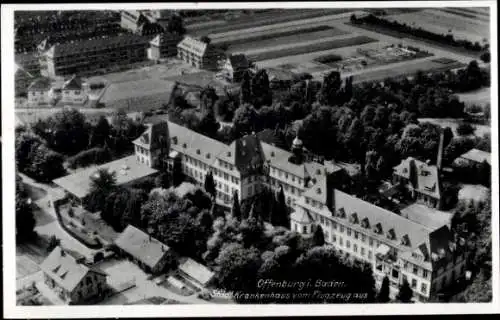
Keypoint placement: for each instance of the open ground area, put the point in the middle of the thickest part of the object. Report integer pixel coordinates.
(479, 97)
(453, 124)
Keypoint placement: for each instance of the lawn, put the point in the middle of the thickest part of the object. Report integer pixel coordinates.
(406, 70)
(308, 48)
(453, 124)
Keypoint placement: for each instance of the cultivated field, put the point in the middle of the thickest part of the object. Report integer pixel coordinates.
(269, 18)
(305, 48)
(442, 22)
(406, 69)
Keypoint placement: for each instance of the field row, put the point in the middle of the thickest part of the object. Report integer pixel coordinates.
(273, 18)
(307, 48)
(409, 69)
(297, 38)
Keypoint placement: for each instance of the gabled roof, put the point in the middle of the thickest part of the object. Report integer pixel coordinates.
(196, 271)
(63, 268)
(239, 61)
(247, 153)
(141, 246)
(193, 45)
(279, 159)
(477, 156)
(41, 84)
(75, 83)
(423, 177)
(156, 136)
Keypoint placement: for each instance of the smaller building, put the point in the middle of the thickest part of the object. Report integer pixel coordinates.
(163, 46)
(195, 272)
(235, 66)
(150, 145)
(22, 80)
(421, 179)
(199, 54)
(39, 91)
(149, 253)
(73, 281)
(73, 91)
(474, 156)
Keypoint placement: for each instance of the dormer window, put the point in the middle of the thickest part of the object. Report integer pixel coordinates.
(341, 213)
(198, 151)
(391, 234)
(318, 190)
(228, 153)
(405, 240)
(378, 228)
(353, 218)
(184, 145)
(365, 223)
(208, 155)
(174, 140)
(272, 153)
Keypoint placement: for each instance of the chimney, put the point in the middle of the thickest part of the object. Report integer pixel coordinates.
(440, 150)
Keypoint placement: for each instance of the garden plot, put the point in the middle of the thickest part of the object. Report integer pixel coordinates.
(406, 69)
(479, 97)
(442, 22)
(311, 47)
(370, 57)
(301, 67)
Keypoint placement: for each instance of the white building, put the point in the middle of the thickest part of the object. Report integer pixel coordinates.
(39, 91)
(73, 91)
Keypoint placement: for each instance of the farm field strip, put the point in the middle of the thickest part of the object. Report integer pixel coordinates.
(311, 47)
(258, 22)
(479, 97)
(297, 38)
(441, 22)
(405, 69)
(271, 34)
(480, 17)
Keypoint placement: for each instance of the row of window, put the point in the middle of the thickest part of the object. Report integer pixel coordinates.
(285, 175)
(141, 159)
(416, 270)
(286, 188)
(142, 150)
(362, 251)
(314, 203)
(217, 173)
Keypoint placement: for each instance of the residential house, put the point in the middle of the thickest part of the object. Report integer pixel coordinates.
(474, 156)
(71, 279)
(163, 46)
(39, 91)
(149, 253)
(22, 80)
(421, 179)
(198, 53)
(73, 91)
(235, 66)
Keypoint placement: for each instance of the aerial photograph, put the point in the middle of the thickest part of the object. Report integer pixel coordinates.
(253, 156)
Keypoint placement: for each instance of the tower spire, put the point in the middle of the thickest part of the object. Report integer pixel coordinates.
(439, 159)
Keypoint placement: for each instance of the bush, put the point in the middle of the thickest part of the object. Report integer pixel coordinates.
(465, 129)
(89, 157)
(485, 57)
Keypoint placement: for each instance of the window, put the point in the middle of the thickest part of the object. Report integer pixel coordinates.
(356, 234)
(334, 225)
(327, 223)
(415, 269)
(423, 288)
(322, 219)
(327, 235)
(341, 241)
(425, 274)
(334, 238)
(362, 251)
(363, 237)
(296, 229)
(395, 273)
(341, 228)
(349, 232)
(348, 244)
(355, 248)
(369, 254)
(304, 229)
(226, 176)
(413, 283)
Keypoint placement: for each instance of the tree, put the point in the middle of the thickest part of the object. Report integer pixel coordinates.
(318, 236)
(176, 25)
(280, 211)
(100, 132)
(465, 129)
(102, 183)
(44, 164)
(330, 90)
(25, 220)
(405, 292)
(53, 243)
(485, 57)
(205, 39)
(383, 295)
(245, 120)
(162, 181)
(235, 209)
(238, 268)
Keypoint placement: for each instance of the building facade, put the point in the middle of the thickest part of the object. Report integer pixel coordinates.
(73, 91)
(235, 66)
(421, 180)
(198, 53)
(164, 46)
(71, 280)
(87, 56)
(39, 91)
